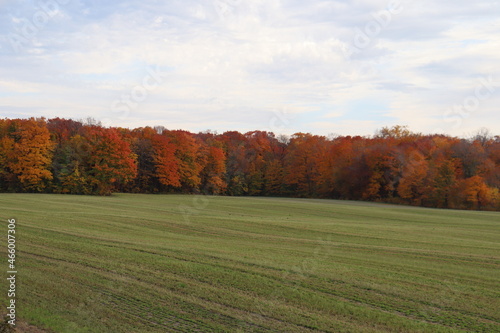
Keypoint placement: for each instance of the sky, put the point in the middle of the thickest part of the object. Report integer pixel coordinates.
(286, 66)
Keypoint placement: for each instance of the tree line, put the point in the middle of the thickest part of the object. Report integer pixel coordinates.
(395, 165)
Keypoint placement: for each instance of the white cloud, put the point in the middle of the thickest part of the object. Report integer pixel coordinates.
(231, 62)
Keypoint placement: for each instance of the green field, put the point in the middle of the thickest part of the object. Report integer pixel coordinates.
(173, 263)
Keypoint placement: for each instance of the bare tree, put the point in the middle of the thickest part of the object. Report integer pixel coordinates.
(483, 136)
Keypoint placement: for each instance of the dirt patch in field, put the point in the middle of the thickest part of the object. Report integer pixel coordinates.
(21, 327)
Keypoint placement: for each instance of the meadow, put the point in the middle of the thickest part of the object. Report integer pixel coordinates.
(184, 263)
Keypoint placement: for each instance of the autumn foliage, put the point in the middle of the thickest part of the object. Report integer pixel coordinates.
(395, 165)
(26, 154)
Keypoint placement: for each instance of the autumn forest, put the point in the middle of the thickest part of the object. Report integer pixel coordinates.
(395, 165)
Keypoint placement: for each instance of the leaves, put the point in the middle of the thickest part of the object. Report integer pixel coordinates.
(396, 165)
(30, 155)
(111, 160)
(165, 161)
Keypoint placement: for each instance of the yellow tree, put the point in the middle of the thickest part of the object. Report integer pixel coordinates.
(477, 194)
(412, 184)
(32, 154)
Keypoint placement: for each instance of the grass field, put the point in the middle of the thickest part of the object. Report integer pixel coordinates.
(172, 263)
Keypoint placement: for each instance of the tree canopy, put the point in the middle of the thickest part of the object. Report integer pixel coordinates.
(395, 165)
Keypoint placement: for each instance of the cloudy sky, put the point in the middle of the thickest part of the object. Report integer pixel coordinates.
(319, 66)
